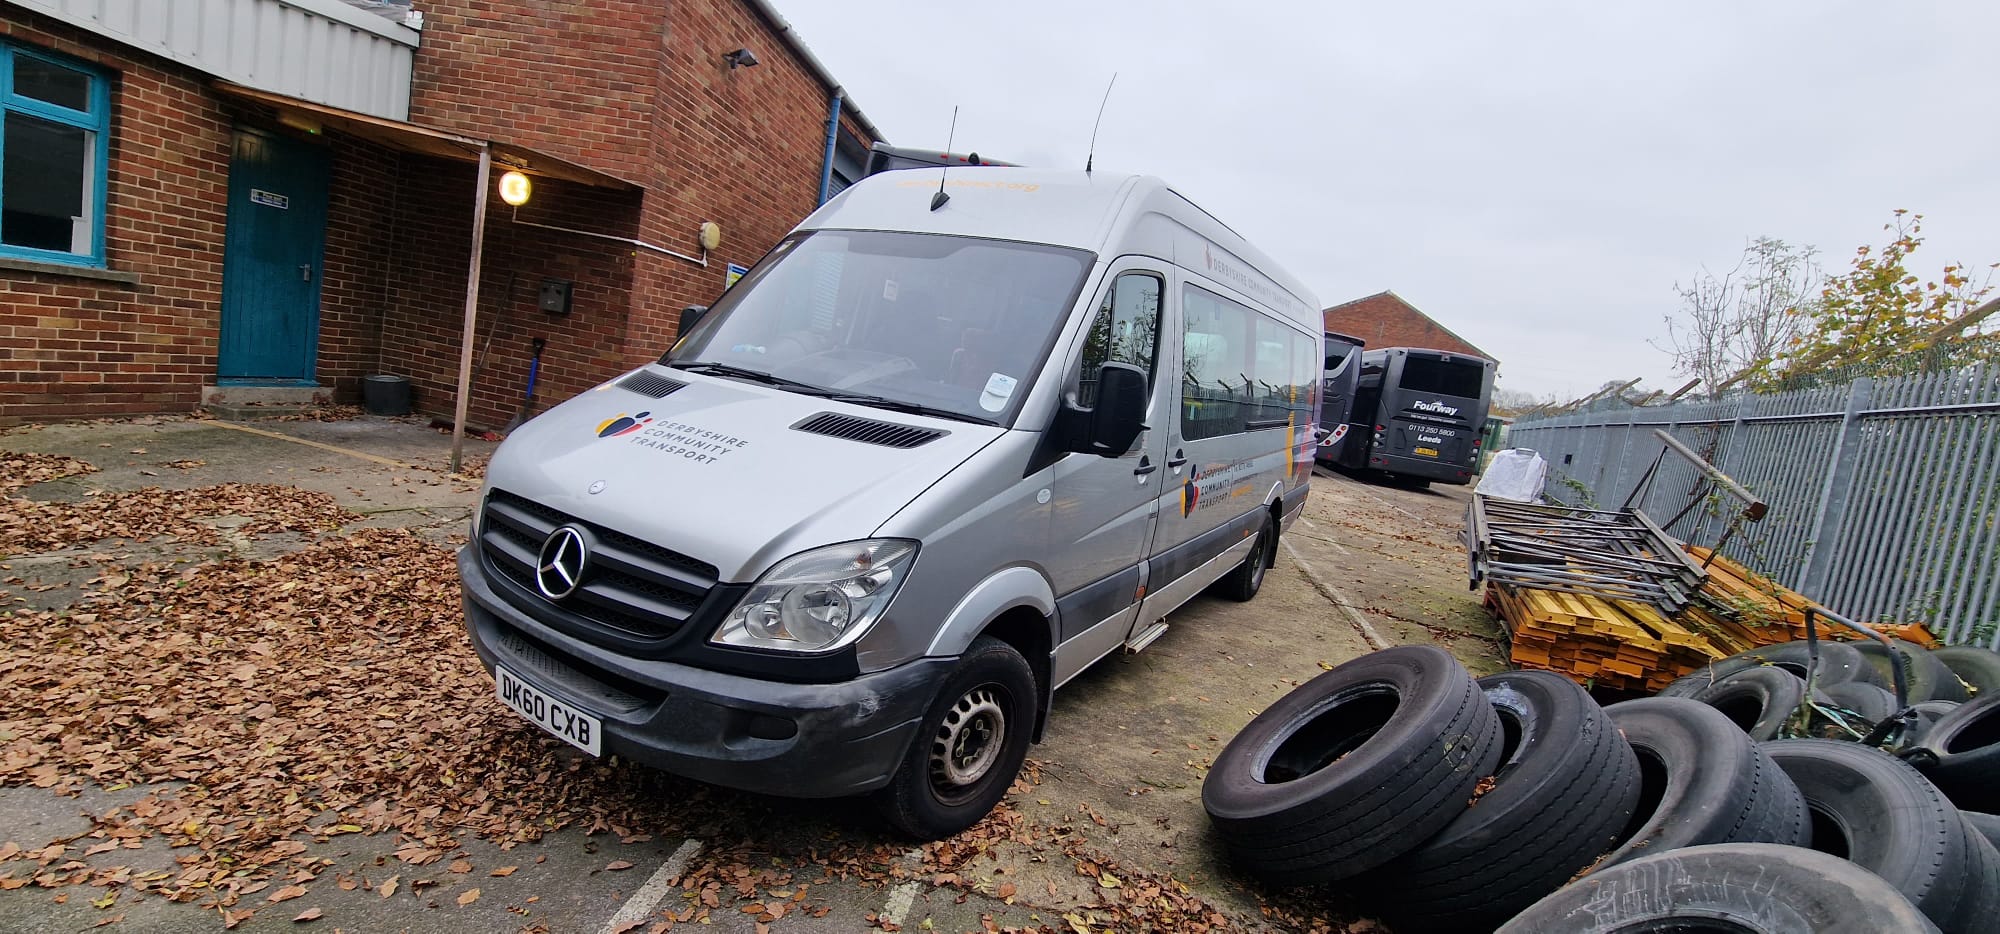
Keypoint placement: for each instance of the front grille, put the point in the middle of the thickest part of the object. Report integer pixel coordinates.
(868, 430)
(633, 587)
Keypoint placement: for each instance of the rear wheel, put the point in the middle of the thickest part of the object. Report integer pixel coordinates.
(1243, 583)
(969, 748)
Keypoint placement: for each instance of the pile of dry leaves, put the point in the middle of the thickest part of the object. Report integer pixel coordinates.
(137, 515)
(331, 691)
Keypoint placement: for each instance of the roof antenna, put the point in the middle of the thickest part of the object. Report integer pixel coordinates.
(1092, 157)
(938, 200)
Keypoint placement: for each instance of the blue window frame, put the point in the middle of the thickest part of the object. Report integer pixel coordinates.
(55, 122)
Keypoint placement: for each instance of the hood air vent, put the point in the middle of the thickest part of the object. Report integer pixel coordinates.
(868, 430)
(649, 383)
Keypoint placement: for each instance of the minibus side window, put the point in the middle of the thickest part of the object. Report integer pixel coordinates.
(1125, 330)
(1216, 363)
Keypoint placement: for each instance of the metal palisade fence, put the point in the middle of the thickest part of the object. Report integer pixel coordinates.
(1884, 492)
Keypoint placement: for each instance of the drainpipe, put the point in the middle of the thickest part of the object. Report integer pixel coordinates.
(832, 138)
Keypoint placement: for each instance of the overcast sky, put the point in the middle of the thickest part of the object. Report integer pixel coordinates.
(1534, 175)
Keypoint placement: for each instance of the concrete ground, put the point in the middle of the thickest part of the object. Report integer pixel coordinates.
(1106, 822)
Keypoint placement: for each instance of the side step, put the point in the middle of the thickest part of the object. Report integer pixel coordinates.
(1152, 633)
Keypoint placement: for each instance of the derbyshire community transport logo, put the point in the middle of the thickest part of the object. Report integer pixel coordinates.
(1190, 493)
(622, 424)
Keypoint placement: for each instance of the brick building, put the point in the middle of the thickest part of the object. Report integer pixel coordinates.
(280, 194)
(1386, 320)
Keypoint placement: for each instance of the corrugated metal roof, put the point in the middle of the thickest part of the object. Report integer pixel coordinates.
(327, 51)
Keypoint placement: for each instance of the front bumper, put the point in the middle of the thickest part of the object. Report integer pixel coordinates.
(772, 737)
(1438, 471)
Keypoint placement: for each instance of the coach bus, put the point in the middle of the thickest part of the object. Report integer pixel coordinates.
(1418, 414)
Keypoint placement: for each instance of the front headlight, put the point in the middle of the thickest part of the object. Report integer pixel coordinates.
(821, 599)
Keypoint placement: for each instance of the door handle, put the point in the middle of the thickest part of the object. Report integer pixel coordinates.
(305, 272)
(1179, 458)
(1145, 467)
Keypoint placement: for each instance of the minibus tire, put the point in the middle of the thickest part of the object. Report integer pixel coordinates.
(1977, 667)
(991, 684)
(1352, 768)
(1754, 888)
(1565, 786)
(1929, 677)
(1243, 583)
(1964, 754)
(1760, 700)
(1701, 781)
(1877, 812)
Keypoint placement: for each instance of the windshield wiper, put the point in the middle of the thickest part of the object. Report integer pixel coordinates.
(755, 376)
(913, 408)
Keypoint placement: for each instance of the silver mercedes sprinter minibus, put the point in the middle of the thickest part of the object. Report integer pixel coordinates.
(928, 460)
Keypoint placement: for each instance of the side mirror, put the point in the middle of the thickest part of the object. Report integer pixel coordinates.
(690, 316)
(1120, 414)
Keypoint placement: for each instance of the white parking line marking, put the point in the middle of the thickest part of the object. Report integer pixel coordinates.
(1338, 599)
(649, 895)
(905, 895)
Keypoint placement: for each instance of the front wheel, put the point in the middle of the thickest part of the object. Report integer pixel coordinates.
(969, 747)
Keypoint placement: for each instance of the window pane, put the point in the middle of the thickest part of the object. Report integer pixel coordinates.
(46, 81)
(43, 195)
(1460, 378)
(1126, 330)
(1215, 383)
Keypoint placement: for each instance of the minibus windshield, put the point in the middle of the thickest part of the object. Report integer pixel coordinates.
(945, 325)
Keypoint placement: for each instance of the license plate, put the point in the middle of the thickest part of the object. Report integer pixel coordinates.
(1428, 452)
(569, 724)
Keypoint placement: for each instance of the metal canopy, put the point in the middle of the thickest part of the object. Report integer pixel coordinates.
(417, 138)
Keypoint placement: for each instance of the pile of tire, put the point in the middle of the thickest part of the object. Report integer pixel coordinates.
(1441, 802)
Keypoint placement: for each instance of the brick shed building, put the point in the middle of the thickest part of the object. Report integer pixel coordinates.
(1386, 320)
(278, 195)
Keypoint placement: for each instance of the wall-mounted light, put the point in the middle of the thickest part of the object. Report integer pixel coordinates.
(711, 235)
(743, 57)
(515, 188)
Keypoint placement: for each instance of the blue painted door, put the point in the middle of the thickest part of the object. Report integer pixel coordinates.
(272, 258)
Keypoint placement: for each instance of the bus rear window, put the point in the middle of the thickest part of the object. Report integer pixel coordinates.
(1438, 378)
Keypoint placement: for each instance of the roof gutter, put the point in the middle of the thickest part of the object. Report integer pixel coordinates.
(813, 64)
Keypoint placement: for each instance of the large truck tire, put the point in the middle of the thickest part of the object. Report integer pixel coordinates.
(1567, 783)
(1928, 676)
(1701, 781)
(1839, 663)
(1877, 812)
(1353, 768)
(1758, 700)
(1978, 668)
(1749, 888)
(1964, 754)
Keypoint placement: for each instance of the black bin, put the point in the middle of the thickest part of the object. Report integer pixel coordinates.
(385, 395)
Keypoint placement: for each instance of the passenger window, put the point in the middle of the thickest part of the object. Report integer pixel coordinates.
(1242, 370)
(1215, 376)
(1125, 330)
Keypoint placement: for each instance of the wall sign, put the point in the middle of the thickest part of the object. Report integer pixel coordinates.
(735, 272)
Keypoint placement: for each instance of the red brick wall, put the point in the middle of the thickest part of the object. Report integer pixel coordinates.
(425, 295)
(572, 78)
(1386, 320)
(359, 259)
(72, 346)
(643, 95)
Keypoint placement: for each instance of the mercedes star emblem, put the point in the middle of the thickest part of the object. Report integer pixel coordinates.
(563, 557)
